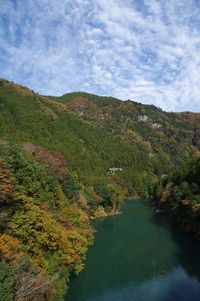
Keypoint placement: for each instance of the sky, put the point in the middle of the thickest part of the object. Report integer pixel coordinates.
(144, 50)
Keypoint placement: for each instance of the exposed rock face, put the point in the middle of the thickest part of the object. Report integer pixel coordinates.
(54, 158)
(156, 125)
(143, 118)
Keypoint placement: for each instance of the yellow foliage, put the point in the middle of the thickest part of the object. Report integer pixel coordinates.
(20, 89)
(61, 199)
(76, 216)
(41, 234)
(10, 248)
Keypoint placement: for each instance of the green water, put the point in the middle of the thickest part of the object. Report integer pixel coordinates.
(139, 256)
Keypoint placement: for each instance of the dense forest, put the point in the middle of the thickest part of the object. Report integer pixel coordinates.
(67, 160)
(178, 193)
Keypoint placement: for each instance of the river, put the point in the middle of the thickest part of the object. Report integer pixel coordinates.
(138, 256)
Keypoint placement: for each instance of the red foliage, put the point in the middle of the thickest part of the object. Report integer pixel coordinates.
(98, 198)
(6, 186)
(119, 181)
(54, 158)
(67, 224)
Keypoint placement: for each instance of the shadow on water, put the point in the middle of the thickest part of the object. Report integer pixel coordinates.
(138, 256)
(188, 248)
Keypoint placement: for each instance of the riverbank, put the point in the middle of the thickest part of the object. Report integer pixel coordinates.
(100, 212)
(138, 256)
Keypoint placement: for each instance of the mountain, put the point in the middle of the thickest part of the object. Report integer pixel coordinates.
(161, 138)
(167, 137)
(89, 150)
(66, 160)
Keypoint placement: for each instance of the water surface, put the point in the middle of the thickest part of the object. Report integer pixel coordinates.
(138, 256)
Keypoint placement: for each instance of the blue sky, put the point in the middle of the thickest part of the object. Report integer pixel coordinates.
(144, 50)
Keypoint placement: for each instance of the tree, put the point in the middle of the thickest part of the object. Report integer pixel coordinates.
(6, 282)
(70, 186)
(5, 183)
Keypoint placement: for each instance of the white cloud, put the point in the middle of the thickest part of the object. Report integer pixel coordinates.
(149, 54)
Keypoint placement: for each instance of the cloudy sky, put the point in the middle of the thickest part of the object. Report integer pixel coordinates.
(144, 50)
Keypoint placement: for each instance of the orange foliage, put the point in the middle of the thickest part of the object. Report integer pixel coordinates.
(185, 202)
(165, 195)
(10, 248)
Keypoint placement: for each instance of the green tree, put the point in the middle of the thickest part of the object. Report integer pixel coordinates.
(70, 186)
(6, 282)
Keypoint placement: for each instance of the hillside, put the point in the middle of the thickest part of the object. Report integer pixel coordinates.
(65, 161)
(179, 194)
(44, 232)
(89, 150)
(162, 136)
(54, 177)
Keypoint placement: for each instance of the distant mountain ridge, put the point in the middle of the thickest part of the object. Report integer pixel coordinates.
(164, 136)
(172, 135)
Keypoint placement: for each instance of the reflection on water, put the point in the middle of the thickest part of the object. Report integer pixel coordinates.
(138, 256)
(189, 249)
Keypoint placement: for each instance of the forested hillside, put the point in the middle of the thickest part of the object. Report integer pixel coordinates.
(179, 194)
(166, 138)
(88, 149)
(44, 234)
(67, 160)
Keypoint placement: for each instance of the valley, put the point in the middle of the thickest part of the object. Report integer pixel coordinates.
(68, 162)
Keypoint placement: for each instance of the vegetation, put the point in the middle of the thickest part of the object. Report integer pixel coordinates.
(179, 194)
(6, 282)
(164, 138)
(45, 224)
(39, 226)
(89, 150)
(66, 160)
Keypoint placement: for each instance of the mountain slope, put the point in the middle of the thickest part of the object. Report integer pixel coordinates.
(66, 160)
(163, 136)
(97, 133)
(179, 194)
(88, 149)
